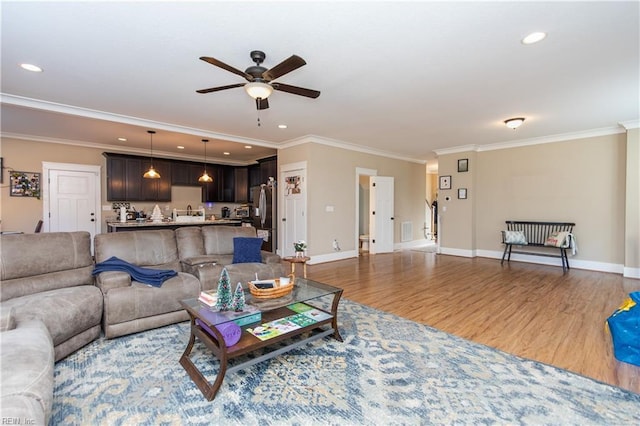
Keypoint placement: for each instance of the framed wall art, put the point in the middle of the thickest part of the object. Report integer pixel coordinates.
(445, 182)
(463, 165)
(25, 184)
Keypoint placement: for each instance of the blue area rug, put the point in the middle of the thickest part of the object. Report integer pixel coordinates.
(388, 371)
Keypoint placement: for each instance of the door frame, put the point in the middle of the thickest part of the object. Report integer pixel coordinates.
(284, 169)
(47, 167)
(364, 172)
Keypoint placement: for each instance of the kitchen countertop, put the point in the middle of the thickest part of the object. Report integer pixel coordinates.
(134, 224)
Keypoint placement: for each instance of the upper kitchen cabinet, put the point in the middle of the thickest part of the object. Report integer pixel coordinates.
(241, 184)
(184, 173)
(125, 181)
(268, 168)
(157, 189)
(214, 191)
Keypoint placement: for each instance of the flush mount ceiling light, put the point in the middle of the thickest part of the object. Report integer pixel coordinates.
(151, 173)
(534, 38)
(258, 90)
(282, 126)
(514, 123)
(31, 67)
(205, 178)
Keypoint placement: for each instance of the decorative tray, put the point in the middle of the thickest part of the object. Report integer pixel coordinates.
(276, 290)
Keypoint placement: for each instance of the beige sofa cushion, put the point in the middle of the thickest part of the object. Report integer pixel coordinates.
(142, 248)
(33, 263)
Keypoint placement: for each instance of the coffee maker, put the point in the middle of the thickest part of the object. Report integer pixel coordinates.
(226, 212)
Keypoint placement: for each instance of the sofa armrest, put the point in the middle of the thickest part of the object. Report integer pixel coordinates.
(268, 257)
(105, 281)
(7, 319)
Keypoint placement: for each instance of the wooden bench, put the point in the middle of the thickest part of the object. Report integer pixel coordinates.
(536, 235)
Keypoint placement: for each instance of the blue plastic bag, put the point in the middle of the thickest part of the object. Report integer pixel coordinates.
(624, 325)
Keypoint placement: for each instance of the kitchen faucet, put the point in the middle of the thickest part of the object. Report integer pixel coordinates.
(189, 210)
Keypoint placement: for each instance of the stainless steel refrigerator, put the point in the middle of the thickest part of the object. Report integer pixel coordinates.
(265, 215)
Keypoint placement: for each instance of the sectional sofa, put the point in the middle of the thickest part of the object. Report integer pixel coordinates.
(51, 304)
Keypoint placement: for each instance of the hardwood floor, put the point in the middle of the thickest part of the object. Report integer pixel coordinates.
(533, 311)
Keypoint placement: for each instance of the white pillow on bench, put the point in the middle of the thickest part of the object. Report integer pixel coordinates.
(515, 237)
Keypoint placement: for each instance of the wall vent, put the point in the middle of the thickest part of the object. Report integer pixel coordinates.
(407, 231)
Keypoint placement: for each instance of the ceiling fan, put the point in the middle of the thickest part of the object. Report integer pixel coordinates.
(260, 79)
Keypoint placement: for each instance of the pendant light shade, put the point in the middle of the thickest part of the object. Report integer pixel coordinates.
(205, 178)
(151, 173)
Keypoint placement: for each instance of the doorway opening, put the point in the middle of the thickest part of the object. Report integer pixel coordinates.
(362, 209)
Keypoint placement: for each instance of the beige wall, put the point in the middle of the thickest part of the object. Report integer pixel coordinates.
(581, 181)
(331, 180)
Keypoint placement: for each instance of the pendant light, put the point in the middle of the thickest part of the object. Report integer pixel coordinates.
(151, 173)
(205, 178)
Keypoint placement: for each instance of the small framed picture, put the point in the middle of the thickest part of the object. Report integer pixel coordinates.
(25, 184)
(463, 165)
(462, 193)
(445, 182)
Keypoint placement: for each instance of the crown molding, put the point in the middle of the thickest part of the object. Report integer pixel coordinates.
(21, 101)
(630, 124)
(128, 150)
(534, 141)
(345, 145)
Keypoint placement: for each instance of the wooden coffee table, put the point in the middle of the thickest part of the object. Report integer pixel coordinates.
(305, 291)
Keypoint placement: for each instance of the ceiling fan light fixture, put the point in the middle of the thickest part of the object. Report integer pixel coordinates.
(514, 123)
(258, 90)
(151, 173)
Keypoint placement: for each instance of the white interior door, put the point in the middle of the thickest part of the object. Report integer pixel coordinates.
(73, 201)
(294, 217)
(381, 214)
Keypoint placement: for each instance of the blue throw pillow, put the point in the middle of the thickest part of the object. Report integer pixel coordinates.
(247, 250)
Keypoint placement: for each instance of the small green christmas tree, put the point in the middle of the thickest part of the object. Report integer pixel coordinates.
(238, 299)
(224, 292)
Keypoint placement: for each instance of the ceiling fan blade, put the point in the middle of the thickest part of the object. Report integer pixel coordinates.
(262, 103)
(292, 63)
(217, 89)
(217, 63)
(296, 90)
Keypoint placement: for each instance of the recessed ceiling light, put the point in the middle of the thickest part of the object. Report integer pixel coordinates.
(248, 146)
(180, 147)
(31, 67)
(282, 126)
(226, 153)
(122, 139)
(534, 38)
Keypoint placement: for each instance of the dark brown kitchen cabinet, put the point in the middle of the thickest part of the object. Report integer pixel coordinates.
(123, 178)
(241, 184)
(213, 191)
(157, 189)
(268, 168)
(125, 181)
(184, 173)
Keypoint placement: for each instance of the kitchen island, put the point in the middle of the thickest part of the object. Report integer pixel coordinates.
(134, 225)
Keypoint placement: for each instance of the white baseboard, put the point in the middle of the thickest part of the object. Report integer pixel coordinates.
(330, 257)
(457, 252)
(552, 261)
(631, 272)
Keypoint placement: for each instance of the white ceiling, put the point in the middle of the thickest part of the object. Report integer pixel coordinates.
(403, 78)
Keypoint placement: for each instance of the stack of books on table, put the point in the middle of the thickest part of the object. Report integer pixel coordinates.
(304, 316)
(209, 297)
(249, 315)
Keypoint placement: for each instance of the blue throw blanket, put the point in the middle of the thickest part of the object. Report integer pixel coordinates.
(154, 277)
